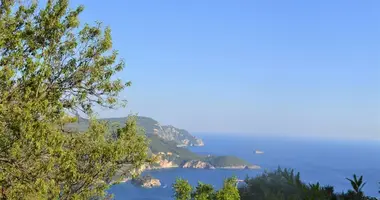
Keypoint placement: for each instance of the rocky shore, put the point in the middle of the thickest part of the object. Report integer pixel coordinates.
(197, 164)
(241, 167)
(150, 182)
(146, 182)
(162, 164)
(193, 164)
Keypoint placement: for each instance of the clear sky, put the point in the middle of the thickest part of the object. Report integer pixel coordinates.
(309, 68)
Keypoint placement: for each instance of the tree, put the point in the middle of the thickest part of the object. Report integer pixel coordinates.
(45, 56)
(204, 192)
(182, 189)
(357, 184)
(49, 68)
(229, 190)
(284, 184)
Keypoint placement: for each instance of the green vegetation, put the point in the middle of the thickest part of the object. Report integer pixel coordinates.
(184, 191)
(204, 192)
(49, 68)
(149, 125)
(146, 181)
(152, 127)
(228, 191)
(182, 134)
(158, 144)
(223, 161)
(277, 185)
(285, 184)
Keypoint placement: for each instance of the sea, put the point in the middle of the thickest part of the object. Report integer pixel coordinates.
(327, 161)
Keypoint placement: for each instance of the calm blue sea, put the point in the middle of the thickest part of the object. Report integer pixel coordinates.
(324, 161)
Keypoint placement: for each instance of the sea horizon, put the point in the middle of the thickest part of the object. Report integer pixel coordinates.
(287, 136)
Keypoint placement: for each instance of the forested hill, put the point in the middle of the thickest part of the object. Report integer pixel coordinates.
(151, 127)
(169, 141)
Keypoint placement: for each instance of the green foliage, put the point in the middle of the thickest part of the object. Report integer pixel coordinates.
(203, 192)
(285, 184)
(356, 192)
(99, 155)
(149, 126)
(156, 143)
(281, 184)
(357, 184)
(48, 68)
(223, 161)
(229, 190)
(182, 190)
(45, 55)
(159, 145)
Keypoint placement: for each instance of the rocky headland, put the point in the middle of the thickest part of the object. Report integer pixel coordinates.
(169, 144)
(197, 164)
(146, 182)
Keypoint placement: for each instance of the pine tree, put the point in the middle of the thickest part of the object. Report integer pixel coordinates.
(182, 190)
(51, 66)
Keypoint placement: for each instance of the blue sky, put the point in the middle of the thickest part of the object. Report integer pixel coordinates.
(305, 68)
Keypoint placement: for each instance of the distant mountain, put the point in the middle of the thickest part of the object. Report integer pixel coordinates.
(168, 132)
(168, 141)
(151, 127)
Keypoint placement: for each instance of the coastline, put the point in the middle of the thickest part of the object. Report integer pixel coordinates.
(253, 167)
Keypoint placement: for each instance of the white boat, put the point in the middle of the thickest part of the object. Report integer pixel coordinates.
(259, 152)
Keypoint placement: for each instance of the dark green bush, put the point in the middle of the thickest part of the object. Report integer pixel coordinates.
(281, 184)
(284, 184)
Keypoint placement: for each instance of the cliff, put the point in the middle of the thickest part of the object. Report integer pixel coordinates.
(168, 132)
(146, 182)
(197, 164)
(151, 127)
(219, 162)
(165, 141)
(162, 163)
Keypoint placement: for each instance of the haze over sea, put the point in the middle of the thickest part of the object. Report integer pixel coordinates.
(326, 161)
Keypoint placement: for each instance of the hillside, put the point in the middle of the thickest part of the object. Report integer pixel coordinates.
(229, 162)
(166, 141)
(167, 132)
(172, 152)
(180, 156)
(151, 127)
